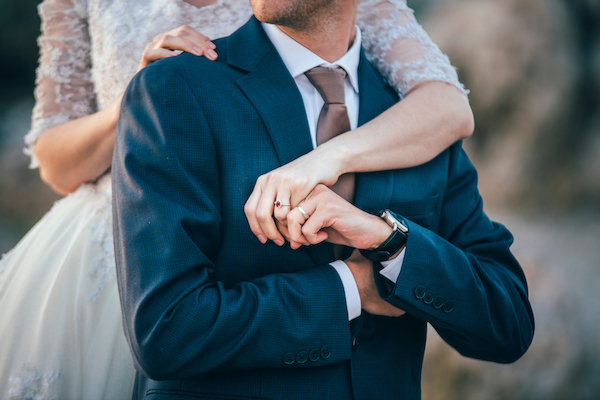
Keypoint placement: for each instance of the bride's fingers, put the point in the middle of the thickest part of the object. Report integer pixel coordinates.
(197, 39)
(281, 201)
(250, 211)
(194, 47)
(187, 31)
(152, 55)
(173, 42)
(264, 216)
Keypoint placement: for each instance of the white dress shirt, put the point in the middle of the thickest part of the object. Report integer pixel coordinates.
(298, 59)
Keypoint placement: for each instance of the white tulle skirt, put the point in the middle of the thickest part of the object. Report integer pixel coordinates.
(61, 333)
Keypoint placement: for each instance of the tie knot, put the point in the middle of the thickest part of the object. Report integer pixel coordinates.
(329, 82)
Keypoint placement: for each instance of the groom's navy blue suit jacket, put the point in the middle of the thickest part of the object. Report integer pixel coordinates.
(211, 313)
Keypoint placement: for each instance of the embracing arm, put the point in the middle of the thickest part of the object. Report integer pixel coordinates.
(179, 320)
(411, 132)
(433, 114)
(69, 142)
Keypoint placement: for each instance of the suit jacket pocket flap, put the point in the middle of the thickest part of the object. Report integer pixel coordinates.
(413, 208)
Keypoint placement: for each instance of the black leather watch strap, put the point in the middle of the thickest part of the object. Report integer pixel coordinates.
(393, 243)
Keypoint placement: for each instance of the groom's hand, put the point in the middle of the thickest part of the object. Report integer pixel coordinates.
(371, 302)
(332, 218)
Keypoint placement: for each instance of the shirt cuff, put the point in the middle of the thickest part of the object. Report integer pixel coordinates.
(391, 268)
(350, 289)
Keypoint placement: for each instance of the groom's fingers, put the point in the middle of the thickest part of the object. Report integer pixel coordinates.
(306, 230)
(283, 229)
(294, 227)
(313, 228)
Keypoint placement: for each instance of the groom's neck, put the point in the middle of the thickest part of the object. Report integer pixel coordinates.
(329, 38)
(326, 27)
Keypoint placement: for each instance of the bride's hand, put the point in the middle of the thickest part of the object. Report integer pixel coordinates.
(290, 184)
(175, 41)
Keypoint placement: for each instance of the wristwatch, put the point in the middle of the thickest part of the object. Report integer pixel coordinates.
(394, 242)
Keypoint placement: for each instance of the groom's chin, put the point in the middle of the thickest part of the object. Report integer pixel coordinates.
(294, 14)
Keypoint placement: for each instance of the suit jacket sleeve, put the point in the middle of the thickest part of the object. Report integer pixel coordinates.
(179, 322)
(464, 280)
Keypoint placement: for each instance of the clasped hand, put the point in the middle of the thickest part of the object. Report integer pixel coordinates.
(330, 218)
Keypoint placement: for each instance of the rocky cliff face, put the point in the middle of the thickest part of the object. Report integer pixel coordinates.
(533, 67)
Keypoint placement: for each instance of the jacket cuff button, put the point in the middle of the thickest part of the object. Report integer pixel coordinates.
(419, 292)
(448, 306)
(314, 355)
(325, 352)
(289, 358)
(302, 357)
(428, 298)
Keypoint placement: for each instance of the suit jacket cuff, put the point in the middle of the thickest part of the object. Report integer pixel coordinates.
(391, 268)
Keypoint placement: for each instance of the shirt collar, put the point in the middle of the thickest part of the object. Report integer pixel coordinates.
(298, 59)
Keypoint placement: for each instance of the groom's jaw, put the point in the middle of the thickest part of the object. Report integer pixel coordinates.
(326, 27)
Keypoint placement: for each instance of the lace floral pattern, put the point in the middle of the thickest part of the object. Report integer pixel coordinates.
(103, 266)
(31, 384)
(400, 48)
(67, 87)
(63, 82)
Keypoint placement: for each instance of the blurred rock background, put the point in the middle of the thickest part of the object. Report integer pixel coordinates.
(533, 68)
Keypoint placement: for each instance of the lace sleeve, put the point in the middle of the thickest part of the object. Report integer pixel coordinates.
(400, 48)
(64, 91)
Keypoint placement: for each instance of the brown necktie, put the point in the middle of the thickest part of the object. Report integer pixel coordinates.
(333, 118)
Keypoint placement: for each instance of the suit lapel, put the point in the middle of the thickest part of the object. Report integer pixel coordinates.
(274, 94)
(272, 91)
(376, 187)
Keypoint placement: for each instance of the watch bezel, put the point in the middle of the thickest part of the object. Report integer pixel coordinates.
(394, 222)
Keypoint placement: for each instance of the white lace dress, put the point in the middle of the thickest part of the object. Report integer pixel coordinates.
(60, 319)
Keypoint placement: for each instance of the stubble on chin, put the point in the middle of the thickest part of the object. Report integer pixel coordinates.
(295, 14)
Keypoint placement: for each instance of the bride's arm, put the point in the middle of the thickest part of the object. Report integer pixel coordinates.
(64, 91)
(68, 141)
(433, 114)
